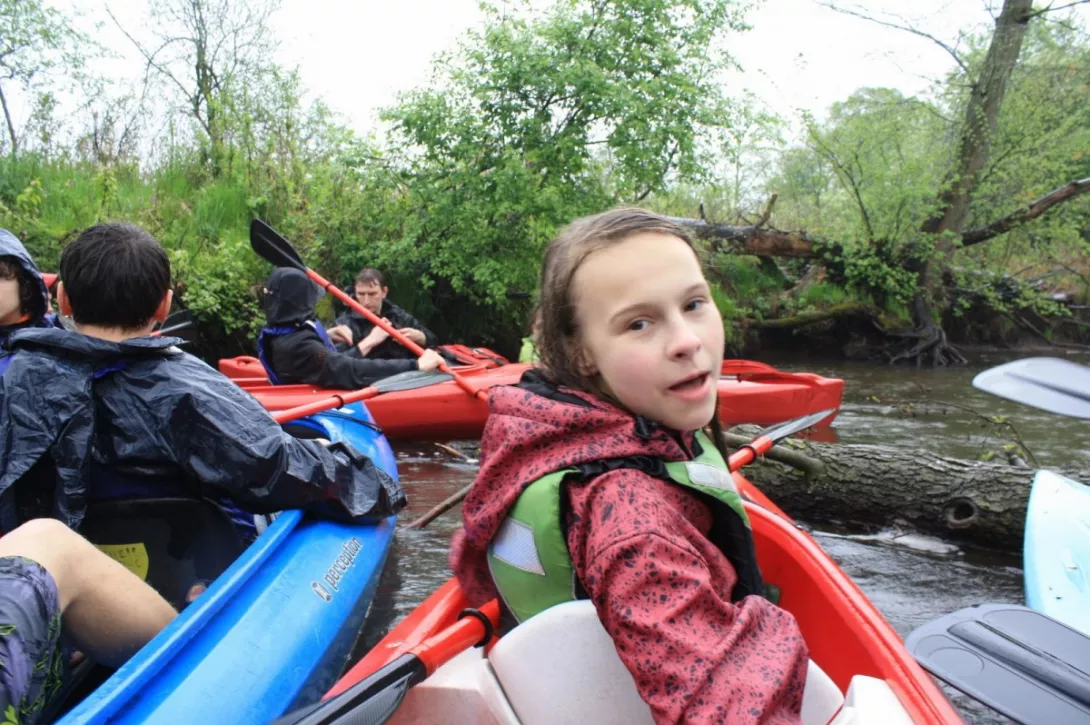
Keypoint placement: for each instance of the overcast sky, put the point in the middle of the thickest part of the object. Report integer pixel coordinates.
(357, 54)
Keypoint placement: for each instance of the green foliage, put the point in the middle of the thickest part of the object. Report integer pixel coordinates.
(870, 175)
(541, 118)
(731, 314)
(543, 114)
(34, 40)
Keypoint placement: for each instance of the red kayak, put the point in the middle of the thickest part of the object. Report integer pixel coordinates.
(560, 666)
(749, 392)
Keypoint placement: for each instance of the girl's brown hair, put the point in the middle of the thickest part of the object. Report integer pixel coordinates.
(559, 347)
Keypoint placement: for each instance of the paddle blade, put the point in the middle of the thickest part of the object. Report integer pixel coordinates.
(1014, 660)
(373, 700)
(411, 380)
(272, 247)
(782, 430)
(178, 317)
(1058, 386)
(174, 329)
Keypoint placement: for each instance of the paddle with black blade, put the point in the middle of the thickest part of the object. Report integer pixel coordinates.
(375, 697)
(1013, 659)
(175, 322)
(277, 250)
(1058, 386)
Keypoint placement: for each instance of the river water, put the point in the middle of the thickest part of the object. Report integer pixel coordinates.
(910, 580)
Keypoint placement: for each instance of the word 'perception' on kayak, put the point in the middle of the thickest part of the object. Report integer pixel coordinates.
(337, 569)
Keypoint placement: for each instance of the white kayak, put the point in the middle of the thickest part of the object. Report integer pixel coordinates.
(1056, 553)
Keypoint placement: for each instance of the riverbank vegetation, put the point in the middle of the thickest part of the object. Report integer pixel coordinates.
(893, 227)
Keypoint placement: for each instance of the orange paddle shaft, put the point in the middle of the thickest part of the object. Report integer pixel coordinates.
(391, 331)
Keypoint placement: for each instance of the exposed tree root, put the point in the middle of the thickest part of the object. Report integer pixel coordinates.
(929, 341)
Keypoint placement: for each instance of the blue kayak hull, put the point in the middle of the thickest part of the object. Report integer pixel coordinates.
(272, 632)
(1056, 553)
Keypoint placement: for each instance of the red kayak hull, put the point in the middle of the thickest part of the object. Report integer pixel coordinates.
(845, 633)
(748, 393)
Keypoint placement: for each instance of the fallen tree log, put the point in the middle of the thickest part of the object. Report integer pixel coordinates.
(983, 503)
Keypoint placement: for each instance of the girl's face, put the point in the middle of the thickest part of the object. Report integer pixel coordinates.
(649, 328)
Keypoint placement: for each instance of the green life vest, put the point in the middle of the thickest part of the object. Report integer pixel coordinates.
(528, 353)
(529, 558)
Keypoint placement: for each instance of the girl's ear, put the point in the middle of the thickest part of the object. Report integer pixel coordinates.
(584, 362)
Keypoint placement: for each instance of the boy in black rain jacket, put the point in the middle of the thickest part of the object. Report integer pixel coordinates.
(77, 407)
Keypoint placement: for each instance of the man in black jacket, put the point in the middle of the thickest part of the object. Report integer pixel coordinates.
(294, 347)
(85, 415)
(371, 340)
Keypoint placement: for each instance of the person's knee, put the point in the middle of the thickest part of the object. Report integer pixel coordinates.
(37, 537)
(55, 547)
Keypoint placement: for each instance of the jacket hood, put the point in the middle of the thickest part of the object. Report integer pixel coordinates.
(290, 298)
(10, 246)
(533, 429)
(72, 345)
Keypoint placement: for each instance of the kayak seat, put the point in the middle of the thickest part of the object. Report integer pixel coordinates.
(171, 543)
(560, 666)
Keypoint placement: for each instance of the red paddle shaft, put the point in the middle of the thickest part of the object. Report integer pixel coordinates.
(744, 456)
(441, 647)
(749, 452)
(333, 401)
(389, 329)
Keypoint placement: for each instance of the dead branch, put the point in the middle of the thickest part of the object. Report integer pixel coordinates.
(1028, 213)
(768, 211)
(907, 28)
(751, 239)
(440, 509)
(782, 454)
(845, 309)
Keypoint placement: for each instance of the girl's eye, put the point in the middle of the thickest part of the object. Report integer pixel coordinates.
(637, 325)
(696, 304)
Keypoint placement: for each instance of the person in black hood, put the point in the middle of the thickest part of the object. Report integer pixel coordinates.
(108, 411)
(295, 348)
(24, 297)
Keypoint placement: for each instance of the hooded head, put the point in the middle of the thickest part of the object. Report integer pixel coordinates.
(290, 297)
(23, 294)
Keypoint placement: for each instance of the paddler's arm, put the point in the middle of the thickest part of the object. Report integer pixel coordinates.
(695, 656)
(407, 320)
(225, 440)
(312, 363)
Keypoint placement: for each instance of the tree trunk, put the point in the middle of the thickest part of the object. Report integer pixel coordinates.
(11, 125)
(984, 503)
(974, 146)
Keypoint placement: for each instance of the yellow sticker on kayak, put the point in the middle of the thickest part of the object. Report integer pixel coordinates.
(133, 557)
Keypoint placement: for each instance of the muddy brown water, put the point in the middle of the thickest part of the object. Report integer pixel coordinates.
(910, 579)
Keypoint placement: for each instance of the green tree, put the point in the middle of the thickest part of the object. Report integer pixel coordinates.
(204, 54)
(542, 117)
(34, 41)
(884, 180)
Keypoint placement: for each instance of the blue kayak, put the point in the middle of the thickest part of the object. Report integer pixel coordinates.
(273, 631)
(1056, 554)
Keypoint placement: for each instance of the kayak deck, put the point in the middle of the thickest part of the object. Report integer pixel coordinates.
(1056, 552)
(273, 631)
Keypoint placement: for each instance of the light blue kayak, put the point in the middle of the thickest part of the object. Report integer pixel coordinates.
(1056, 553)
(273, 632)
